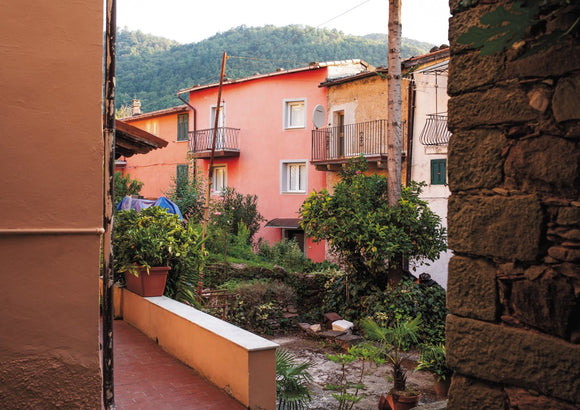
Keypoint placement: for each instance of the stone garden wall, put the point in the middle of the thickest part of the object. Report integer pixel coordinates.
(513, 332)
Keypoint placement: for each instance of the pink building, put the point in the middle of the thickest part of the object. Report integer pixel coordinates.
(263, 143)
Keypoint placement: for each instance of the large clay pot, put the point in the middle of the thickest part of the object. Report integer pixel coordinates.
(148, 284)
(441, 387)
(402, 401)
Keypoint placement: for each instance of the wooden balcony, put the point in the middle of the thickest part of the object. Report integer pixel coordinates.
(334, 146)
(226, 144)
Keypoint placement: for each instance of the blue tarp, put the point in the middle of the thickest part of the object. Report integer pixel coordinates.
(139, 204)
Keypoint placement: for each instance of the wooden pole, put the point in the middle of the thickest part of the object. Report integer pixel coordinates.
(210, 170)
(394, 104)
(108, 187)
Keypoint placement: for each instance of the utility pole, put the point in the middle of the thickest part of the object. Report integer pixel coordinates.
(210, 170)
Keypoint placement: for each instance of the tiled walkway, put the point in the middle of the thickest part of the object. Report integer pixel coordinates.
(146, 377)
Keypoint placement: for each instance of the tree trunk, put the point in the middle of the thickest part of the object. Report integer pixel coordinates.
(394, 104)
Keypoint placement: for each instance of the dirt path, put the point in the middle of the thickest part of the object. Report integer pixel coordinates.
(327, 372)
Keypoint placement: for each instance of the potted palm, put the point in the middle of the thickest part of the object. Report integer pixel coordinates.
(143, 244)
(432, 359)
(393, 342)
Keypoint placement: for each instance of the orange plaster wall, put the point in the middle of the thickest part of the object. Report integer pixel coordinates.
(51, 153)
(157, 167)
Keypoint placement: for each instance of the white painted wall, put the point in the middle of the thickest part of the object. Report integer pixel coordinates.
(431, 97)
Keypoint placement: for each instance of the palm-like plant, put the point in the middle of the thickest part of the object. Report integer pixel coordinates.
(292, 380)
(393, 342)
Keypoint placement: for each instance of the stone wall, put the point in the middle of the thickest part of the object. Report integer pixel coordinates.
(513, 332)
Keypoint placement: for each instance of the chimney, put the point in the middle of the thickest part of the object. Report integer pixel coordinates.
(136, 105)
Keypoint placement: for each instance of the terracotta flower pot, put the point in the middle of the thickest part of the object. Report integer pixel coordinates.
(152, 284)
(399, 401)
(441, 387)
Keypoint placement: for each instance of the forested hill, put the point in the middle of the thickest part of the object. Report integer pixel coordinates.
(153, 69)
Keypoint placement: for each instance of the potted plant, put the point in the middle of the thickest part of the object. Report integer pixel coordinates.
(393, 342)
(143, 244)
(432, 359)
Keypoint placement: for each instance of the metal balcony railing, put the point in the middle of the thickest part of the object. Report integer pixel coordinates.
(346, 141)
(435, 131)
(201, 140)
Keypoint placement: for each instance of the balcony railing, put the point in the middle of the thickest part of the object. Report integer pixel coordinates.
(435, 131)
(226, 143)
(333, 144)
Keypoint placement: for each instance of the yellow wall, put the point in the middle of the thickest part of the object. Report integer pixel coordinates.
(51, 155)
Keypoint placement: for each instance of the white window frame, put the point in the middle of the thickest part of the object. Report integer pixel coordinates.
(285, 176)
(215, 176)
(288, 104)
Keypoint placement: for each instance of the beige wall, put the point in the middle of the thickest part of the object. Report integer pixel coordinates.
(51, 156)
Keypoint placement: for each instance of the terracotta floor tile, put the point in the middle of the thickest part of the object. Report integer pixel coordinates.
(146, 377)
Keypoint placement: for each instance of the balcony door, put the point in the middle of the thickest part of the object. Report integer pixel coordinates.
(339, 123)
(220, 141)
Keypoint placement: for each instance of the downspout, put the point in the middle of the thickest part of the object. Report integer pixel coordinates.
(194, 129)
(410, 127)
(108, 187)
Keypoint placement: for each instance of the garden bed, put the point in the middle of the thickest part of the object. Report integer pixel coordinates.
(324, 372)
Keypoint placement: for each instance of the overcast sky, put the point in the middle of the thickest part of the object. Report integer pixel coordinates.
(188, 21)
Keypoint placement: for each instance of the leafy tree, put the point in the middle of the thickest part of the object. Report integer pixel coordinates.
(125, 186)
(234, 208)
(371, 237)
(188, 194)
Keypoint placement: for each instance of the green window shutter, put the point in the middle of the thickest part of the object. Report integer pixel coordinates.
(438, 171)
(181, 174)
(182, 127)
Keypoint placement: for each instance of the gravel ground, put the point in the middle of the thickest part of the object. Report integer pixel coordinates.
(326, 372)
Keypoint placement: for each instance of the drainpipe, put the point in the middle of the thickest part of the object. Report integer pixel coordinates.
(194, 129)
(108, 187)
(410, 127)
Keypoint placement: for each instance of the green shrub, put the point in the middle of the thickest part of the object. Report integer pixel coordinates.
(125, 186)
(287, 254)
(154, 237)
(391, 306)
(259, 305)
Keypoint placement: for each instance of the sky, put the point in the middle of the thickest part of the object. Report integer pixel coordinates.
(188, 21)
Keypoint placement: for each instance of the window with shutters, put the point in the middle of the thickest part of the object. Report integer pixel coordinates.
(438, 172)
(182, 127)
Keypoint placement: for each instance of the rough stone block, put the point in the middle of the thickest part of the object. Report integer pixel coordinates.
(342, 325)
(505, 227)
(545, 303)
(500, 105)
(513, 356)
(524, 400)
(471, 288)
(466, 393)
(537, 165)
(566, 100)
(568, 216)
(460, 23)
(471, 70)
(556, 60)
(475, 159)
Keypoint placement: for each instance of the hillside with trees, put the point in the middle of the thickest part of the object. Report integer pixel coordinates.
(153, 69)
